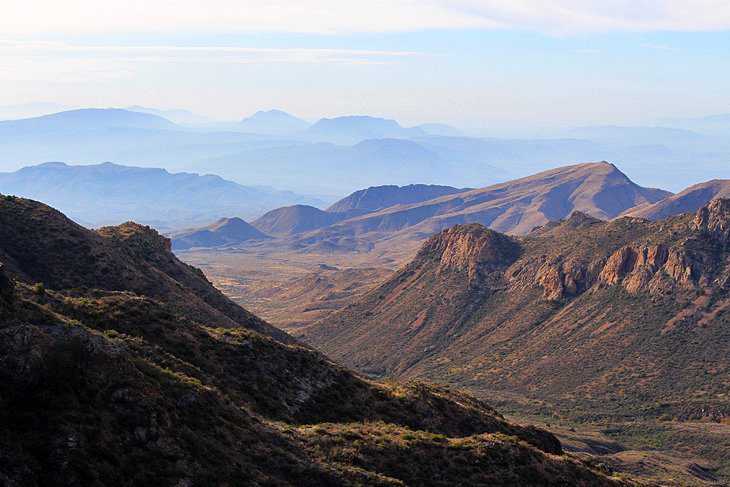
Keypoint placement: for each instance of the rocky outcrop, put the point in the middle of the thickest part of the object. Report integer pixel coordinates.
(650, 267)
(471, 248)
(142, 238)
(715, 219)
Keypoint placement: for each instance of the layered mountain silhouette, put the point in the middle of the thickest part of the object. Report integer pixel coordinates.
(87, 119)
(178, 115)
(224, 231)
(270, 148)
(297, 219)
(348, 168)
(353, 129)
(514, 207)
(111, 193)
(272, 122)
(121, 365)
(627, 318)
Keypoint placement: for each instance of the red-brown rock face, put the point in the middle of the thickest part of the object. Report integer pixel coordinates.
(471, 248)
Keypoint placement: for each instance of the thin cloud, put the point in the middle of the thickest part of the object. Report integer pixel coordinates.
(51, 18)
(210, 53)
(63, 62)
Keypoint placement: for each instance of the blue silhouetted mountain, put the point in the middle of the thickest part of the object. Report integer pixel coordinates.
(87, 119)
(109, 193)
(353, 129)
(177, 115)
(272, 122)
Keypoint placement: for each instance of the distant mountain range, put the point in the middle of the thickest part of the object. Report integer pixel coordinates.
(86, 120)
(273, 122)
(372, 162)
(354, 129)
(109, 193)
(296, 219)
(179, 116)
(394, 217)
(515, 207)
(274, 148)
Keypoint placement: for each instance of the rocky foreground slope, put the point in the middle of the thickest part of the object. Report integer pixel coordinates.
(626, 318)
(120, 365)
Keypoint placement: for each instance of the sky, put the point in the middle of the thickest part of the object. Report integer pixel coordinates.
(472, 63)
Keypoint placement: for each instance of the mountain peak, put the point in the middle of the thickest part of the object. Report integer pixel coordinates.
(469, 247)
(273, 122)
(140, 237)
(357, 121)
(225, 231)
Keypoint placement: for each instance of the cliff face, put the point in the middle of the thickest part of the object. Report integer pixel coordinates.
(580, 309)
(470, 248)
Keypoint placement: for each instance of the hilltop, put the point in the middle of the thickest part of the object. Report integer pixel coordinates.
(224, 231)
(272, 122)
(377, 198)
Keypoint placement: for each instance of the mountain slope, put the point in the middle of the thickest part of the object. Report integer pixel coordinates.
(38, 244)
(224, 231)
(353, 129)
(377, 198)
(110, 193)
(87, 119)
(118, 371)
(691, 199)
(291, 220)
(514, 207)
(272, 122)
(178, 115)
(348, 167)
(626, 318)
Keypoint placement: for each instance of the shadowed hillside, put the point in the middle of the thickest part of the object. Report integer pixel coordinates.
(121, 365)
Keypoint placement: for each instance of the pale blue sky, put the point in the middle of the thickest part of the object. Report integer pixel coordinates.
(469, 63)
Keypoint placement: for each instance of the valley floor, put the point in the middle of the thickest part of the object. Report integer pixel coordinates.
(669, 452)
